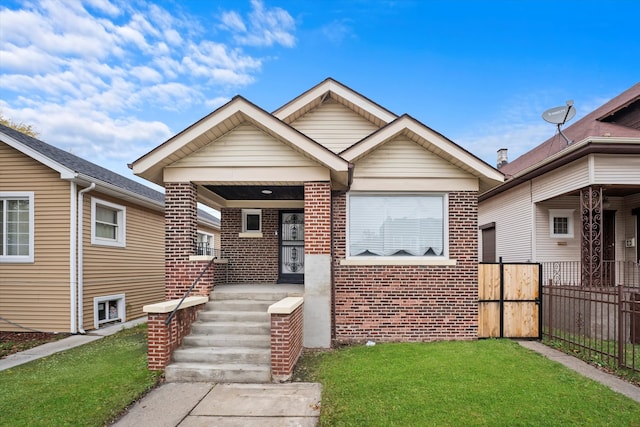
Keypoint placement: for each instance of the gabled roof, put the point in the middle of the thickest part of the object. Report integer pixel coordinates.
(344, 95)
(430, 140)
(604, 121)
(71, 166)
(223, 120)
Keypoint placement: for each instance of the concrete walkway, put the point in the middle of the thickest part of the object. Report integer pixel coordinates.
(573, 363)
(224, 405)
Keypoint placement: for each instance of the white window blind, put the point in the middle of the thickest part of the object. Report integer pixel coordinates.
(396, 225)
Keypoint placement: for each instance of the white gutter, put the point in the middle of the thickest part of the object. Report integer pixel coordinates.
(72, 258)
(80, 258)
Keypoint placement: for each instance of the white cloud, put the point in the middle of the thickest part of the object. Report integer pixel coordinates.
(266, 26)
(96, 77)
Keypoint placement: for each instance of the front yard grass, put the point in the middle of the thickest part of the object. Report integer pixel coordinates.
(84, 386)
(487, 383)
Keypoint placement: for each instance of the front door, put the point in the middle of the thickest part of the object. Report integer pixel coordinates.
(609, 248)
(291, 247)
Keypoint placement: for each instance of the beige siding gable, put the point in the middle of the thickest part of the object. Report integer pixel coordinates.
(334, 126)
(403, 158)
(245, 146)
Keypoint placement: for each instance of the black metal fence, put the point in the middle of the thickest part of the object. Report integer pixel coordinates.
(600, 322)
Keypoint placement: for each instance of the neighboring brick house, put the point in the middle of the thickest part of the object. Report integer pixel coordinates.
(376, 214)
(80, 246)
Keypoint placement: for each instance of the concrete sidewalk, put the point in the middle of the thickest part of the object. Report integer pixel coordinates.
(575, 364)
(205, 404)
(64, 344)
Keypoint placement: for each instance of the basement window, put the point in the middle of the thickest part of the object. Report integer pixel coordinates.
(108, 309)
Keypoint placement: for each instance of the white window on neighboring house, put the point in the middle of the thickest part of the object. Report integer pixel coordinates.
(204, 244)
(397, 225)
(561, 223)
(16, 226)
(251, 220)
(108, 309)
(108, 223)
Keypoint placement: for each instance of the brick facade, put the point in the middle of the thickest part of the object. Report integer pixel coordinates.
(164, 339)
(409, 303)
(317, 218)
(286, 343)
(251, 260)
(181, 232)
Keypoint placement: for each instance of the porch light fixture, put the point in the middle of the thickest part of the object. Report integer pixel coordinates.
(266, 191)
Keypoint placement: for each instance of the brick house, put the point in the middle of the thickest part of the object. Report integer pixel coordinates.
(374, 213)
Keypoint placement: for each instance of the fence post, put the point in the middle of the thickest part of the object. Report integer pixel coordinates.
(621, 346)
(550, 304)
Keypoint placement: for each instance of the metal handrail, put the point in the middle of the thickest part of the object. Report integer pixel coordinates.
(186, 294)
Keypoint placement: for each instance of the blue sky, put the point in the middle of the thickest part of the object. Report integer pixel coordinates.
(110, 80)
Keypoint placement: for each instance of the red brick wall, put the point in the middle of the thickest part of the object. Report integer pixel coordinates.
(317, 218)
(410, 303)
(181, 231)
(251, 260)
(286, 343)
(163, 339)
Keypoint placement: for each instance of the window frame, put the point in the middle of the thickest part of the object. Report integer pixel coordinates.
(121, 307)
(403, 258)
(561, 213)
(19, 195)
(121, 227)
(245, 214)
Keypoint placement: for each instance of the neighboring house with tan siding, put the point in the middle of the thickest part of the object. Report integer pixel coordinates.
(374, 213)
(575, 206)
(80, 246)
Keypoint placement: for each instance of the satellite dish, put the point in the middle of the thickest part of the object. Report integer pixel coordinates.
(559, 116)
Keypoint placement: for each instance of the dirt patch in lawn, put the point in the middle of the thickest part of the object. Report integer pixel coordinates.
(14, 342)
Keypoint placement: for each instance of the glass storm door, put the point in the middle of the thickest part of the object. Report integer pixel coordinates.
(291, 247)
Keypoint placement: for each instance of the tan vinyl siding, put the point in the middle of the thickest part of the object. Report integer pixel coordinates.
(403, 158)
(511, 211)
(616, 170)
(334, 126)
(557, 249)
(136, 270)
(36, 294)
(561, 181)
(245, 146)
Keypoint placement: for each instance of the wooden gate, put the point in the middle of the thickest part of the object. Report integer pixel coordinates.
(509, 300)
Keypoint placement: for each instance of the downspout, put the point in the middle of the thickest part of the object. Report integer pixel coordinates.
(72, 258)
(81, 258)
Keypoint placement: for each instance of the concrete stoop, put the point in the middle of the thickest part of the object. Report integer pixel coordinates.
(230, 340)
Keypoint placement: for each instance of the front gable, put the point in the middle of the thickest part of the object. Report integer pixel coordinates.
(334, 125)
(408, 156)
(245, 146)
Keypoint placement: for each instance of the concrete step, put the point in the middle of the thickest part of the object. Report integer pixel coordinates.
(221, 295)
(233, 316)
(218, 340)
(223, 355)
(231, 328)
(217, 373)
(238, 305)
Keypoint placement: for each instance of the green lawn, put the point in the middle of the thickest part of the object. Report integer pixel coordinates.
(487, 383)
(85, 386)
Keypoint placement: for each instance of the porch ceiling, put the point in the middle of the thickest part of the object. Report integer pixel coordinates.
(255, 192)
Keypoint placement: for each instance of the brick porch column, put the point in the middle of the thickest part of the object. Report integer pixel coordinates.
(181, 232)
(317, 269)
